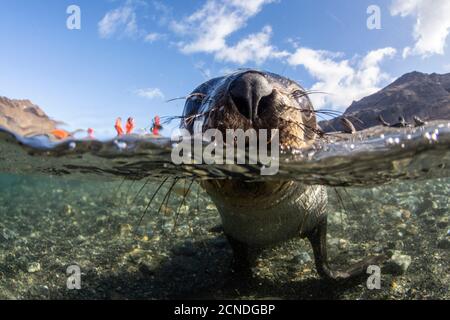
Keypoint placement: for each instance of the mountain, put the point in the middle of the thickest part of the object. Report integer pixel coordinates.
(24, 118)
(413, 94)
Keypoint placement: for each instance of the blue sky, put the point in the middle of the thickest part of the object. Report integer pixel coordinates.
(130, 56)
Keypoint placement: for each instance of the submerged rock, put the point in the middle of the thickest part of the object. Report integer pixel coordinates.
(444, 243)
(6, 234)
(125, 230)
(39, 291)
(34, 267)
(442, 222)
(337, 218)
(393, 214)
(399, 263)
(302, 258)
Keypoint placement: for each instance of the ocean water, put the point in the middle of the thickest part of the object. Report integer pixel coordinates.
(138, 226)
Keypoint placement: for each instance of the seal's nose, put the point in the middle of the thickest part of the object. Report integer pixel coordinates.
(247, 90)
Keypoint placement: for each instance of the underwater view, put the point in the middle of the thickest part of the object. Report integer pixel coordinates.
(137, 232)
(257, 152)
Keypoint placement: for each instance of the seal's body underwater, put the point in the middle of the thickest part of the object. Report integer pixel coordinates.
(260, 214)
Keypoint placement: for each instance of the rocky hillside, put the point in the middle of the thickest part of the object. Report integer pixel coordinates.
(24, 118)
(414, 94)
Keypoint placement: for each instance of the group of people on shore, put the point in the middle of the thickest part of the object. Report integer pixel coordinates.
(156, 126)
(129, 126)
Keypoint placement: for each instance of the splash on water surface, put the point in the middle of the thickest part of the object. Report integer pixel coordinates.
(374, 156)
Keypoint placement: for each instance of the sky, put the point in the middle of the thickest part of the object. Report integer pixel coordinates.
(128, 57)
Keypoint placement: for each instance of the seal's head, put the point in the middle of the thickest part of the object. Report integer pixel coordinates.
(253, 99)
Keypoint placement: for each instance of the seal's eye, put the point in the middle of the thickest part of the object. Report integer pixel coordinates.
(196, 97)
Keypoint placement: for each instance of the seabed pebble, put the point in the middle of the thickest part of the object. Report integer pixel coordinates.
(399, 263)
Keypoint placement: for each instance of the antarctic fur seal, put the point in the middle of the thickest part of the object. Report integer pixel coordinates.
(256, 215)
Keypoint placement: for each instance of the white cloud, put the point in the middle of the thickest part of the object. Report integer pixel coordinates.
(150, 93)
(163, 13)
(118, 21)
(342, 80)
(153, 36)
(432, 24)
(122, 22)
(212, 24)
(256, 47)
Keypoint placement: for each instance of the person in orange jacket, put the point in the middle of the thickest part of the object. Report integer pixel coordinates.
(60, 134)
(118, 127)
(130, 125)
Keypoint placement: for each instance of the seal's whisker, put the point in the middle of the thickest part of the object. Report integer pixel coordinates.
(120, 186)
(341, 116)
(320, 116)
(351, 199)
(198, 198)
(151, 200)
(124, 203)
(182, 203)
(316, 112)
(323, 118)
(333, 127)
(301, 93)
(187, 97)
(140, 190)
(191, 212)
(356, 118)
(301, 126)
(129, 189)
(305, 127)
(341, 203)
(328, 112)
(336, 113)
(186, 119)
(166, 198)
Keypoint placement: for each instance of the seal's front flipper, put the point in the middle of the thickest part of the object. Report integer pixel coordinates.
(318, 241)
(244, 258)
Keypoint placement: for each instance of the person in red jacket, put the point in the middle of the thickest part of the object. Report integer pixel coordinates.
(90, 133)
(118, 127)
(156, 126)
(130, 125)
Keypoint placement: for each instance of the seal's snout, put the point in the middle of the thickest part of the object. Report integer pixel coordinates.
(252, 99)
(247, 91)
